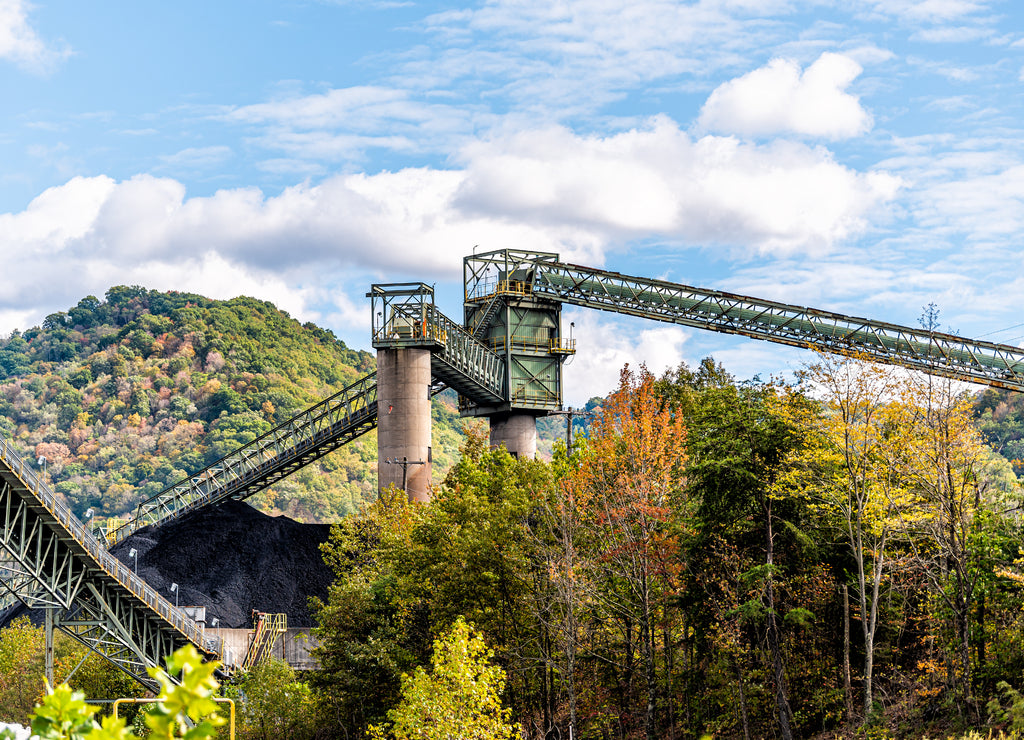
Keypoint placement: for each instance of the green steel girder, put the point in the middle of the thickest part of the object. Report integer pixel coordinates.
(935, 353)
(305, 437)
(53, 562)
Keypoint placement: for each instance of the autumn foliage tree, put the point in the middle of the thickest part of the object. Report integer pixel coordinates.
(851, 470)
(460, 697)
(628, 483)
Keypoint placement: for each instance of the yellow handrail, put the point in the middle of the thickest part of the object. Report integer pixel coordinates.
(218, 699)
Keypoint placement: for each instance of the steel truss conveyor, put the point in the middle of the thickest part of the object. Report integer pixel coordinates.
(932, 352)
(307, 436)
(51, 561)
(457, 360)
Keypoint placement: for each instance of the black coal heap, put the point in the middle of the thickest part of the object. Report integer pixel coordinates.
(233, 559)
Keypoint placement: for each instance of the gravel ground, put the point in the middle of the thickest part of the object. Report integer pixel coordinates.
(232, 559)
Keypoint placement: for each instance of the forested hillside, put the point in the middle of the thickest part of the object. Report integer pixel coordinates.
(1001, 420)
(127, 395)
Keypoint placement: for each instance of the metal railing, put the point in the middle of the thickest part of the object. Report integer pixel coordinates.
(488, 288)
(266, 631)
(94, 551)
(535, 344)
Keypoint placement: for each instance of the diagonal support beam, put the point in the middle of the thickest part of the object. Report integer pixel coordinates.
(53, 561)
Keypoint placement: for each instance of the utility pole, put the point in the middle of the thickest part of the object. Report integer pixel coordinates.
(405, 463)
(569, 414)
(48, 634)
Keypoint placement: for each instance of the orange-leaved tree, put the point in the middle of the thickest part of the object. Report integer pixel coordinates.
(626, 488)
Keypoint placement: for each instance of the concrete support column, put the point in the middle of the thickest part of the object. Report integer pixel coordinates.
(403, 421)
(48, 648)
(518, 432)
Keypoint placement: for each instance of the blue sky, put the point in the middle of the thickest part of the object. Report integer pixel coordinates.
(862, 156)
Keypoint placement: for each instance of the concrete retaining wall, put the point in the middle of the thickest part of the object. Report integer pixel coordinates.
(294, 649)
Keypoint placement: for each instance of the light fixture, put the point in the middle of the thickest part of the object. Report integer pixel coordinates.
(174, 589)
(133, 553)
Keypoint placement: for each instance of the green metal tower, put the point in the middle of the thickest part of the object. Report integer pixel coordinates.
(502, 311)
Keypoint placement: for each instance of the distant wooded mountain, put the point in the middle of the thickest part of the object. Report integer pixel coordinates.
(1000, 417)
(128, 395)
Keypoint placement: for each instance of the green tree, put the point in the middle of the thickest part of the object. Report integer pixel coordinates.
(459, 699)
(183, 709)
(276, 704)
(21, 669)
(369, 633)
(738, 438)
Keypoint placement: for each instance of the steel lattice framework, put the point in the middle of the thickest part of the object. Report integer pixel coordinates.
(405, 316)
(932, 352)
(307, 436)
(53, 562)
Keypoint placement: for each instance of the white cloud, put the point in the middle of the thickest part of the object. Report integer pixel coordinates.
(779, 98)
(333, 108)
(548, 190)
(868, 54)
(56, 217)
(19, 42)
(930, 11)
(982, 206)
(942, 10)
(657, 181)
(952, 34)
(603, 348)
(341, 123)
(197, 157)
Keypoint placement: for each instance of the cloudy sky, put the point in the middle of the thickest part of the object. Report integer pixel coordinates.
(863, 156)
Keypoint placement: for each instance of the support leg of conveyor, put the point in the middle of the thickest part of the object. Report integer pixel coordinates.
(403, 421)
(518, 432)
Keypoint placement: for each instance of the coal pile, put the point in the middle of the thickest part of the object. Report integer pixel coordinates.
(233, 559)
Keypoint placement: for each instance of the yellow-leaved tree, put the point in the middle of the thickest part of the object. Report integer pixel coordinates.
(852, 469)
(459, 699)
(946, 466)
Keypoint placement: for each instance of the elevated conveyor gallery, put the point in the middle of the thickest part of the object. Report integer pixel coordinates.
(54, 563)
(932, 352)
